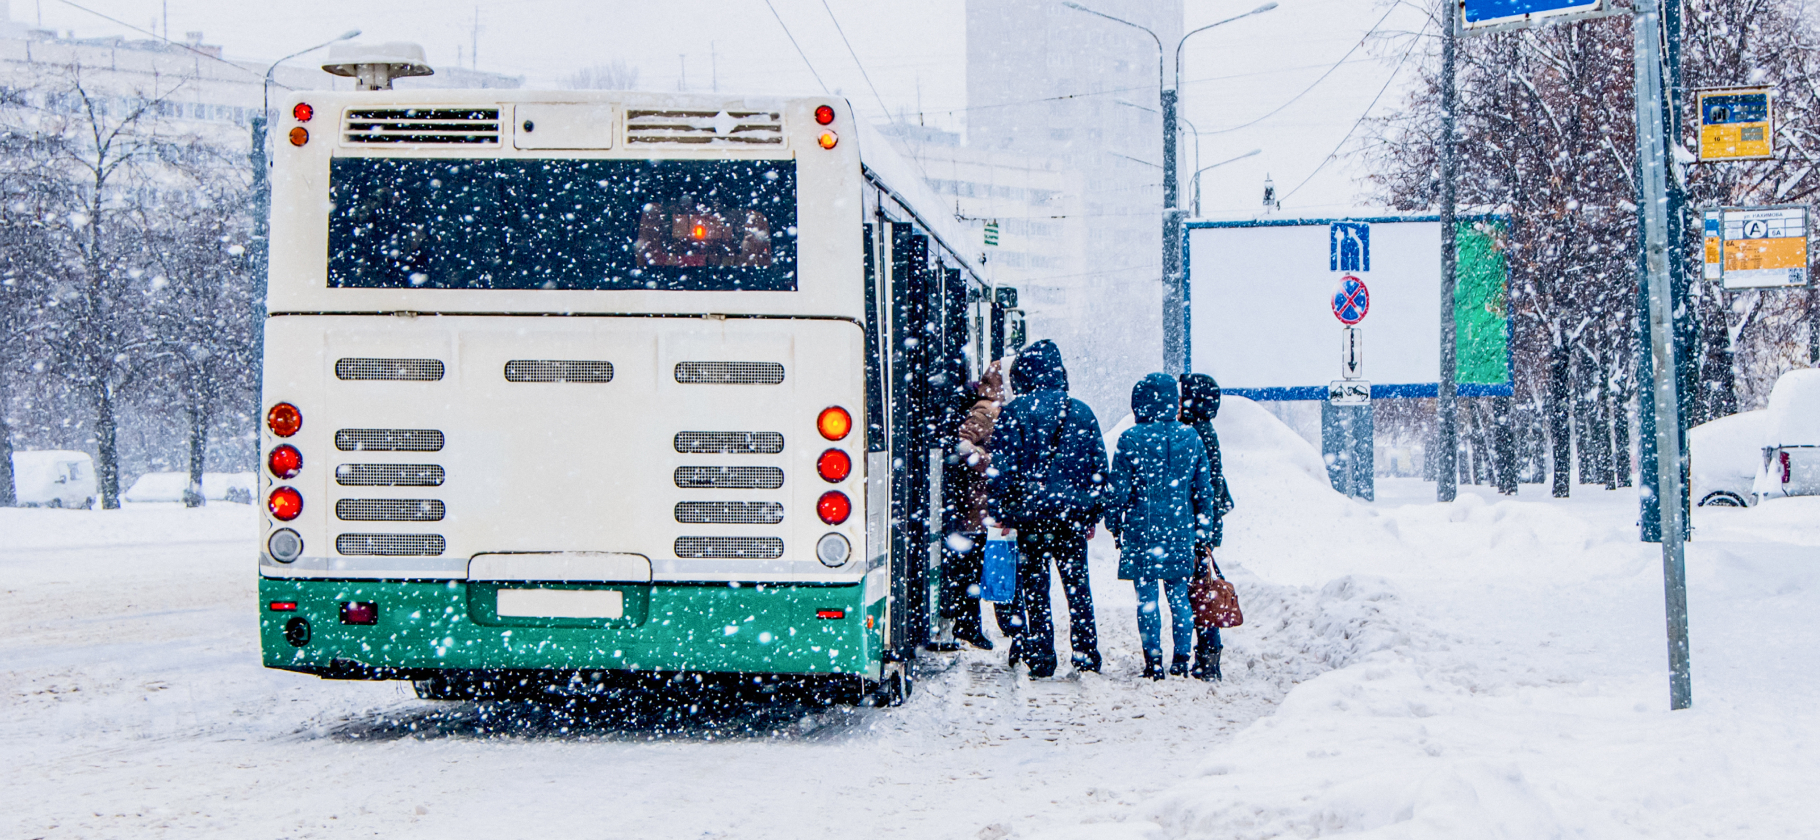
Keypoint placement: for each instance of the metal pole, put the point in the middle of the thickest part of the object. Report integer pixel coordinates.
(1447, 474)
(1173, 344)
(1652, 153)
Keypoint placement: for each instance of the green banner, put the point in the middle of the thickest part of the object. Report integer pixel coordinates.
(1481, 308)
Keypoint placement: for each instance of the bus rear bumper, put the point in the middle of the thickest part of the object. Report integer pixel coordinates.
(417, 630)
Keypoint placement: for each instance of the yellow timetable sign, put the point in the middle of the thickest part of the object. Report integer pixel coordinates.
(1735, 124)
(1757, 247)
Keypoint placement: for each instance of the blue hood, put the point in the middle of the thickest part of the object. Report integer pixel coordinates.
(1039, 368)
(1153, 399)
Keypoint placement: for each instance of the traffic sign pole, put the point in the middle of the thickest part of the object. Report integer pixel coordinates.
(1447, 473)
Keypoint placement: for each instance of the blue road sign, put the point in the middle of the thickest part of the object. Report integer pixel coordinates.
(1349, 246)
(1351, 301)
(1493, 12)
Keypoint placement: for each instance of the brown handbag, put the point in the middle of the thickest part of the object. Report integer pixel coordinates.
(1216, 603)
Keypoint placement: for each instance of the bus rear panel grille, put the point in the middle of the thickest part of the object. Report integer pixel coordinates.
(389, 475)
(729, 548)
(389, 510)
(729, 513)
(390, 545)
(704, 128)
(396, 370)
(388, 440)
(729, 478)
(558, 370)
(729, 443)
(435, 126)
(729, 373)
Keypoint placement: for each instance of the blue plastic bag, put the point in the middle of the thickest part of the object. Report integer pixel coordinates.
(998, 577)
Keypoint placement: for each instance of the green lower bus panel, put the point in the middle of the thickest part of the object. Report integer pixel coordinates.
(750, 628)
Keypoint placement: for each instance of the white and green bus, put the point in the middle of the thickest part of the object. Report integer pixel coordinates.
(574, 390)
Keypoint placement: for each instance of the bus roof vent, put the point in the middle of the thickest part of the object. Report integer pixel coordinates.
(723, 128)
(422, 126)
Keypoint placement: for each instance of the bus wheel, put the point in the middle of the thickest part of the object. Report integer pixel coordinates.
(441, 687)
(892, 690)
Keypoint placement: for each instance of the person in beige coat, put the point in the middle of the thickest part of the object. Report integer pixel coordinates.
(964, 548)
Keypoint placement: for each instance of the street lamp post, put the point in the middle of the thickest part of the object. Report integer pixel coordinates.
(1197, 177)
(1175, 347)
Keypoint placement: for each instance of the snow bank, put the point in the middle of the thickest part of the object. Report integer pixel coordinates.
(169, 487)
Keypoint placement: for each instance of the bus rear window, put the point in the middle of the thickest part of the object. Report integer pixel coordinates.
(681, 225)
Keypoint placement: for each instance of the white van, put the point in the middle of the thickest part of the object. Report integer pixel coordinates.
(1791, 437)
(54, 478)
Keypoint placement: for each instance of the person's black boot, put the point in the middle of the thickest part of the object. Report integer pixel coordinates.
(973, 636)
(1206, 659)
(1153, 666)
(1179, 667)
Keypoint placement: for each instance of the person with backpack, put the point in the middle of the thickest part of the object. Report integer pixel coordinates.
(1048, 468)
(1159, 506)
(1200, 404)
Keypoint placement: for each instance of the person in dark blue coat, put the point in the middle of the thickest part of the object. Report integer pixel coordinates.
(1200, 404)
(1159, 505)
(1048, 470)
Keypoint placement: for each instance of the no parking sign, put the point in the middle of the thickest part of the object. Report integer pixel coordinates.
(1351, 300)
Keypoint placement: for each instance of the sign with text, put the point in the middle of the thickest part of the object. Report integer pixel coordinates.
(1483, 14)
(1735, 124)
(1756, 247)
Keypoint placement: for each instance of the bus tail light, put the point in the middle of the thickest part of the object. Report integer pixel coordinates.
(285, 545)
(826, 140)
(834, 422)
(833, 550)
(834, 507)
(834, 466)
(826, 612)
(283, 606)
(285, 503)
(359, 612)
(284, 419)
(285, 461)
(302, 112)
(300, 136)
(824, 114)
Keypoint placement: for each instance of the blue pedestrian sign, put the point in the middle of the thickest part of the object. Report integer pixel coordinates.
(1351, 300)
(1479, 14)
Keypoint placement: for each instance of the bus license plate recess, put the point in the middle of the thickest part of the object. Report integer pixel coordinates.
(559, 589)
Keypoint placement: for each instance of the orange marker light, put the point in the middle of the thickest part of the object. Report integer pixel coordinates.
(834, 422)
(826, 141)
(284, 419)
(302, 112)
(300, 136)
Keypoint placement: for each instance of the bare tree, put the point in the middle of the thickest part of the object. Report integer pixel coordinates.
(617, 75)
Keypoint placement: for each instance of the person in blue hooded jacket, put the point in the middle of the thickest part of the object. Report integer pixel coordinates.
(1160, 504)
(1200, 404)
(1048, 469)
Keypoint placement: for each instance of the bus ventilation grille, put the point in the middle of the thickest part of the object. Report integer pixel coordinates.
(390, 545)
(558, 370)
(704, 128)
(729, 373)
(729, 478)
(397, 370)
(389, 510)
(729, 513)
(388, 440)
(388, 475)
(729, 443)
(435, 126)
(729, 548)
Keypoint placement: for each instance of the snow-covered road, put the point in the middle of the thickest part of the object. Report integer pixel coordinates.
(1489, 668)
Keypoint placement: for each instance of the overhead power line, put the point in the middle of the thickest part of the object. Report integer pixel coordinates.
(793, 43)
(1361, 120)
(166, 40)
(1316, 83)
(861, 65)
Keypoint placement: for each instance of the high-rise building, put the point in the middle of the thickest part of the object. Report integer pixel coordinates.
(1048, 81)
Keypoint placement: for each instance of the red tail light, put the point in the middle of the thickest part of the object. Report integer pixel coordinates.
(285, 461)
(284, 419)
(834, 507)
(359, 612)
(302, 112)
(1785, 471)
(834, 422)
(828, 613)
(824, 114)
(284, 606)
(285, 504)
(834, 466)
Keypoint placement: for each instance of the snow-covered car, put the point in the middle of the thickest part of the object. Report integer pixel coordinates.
(54, 478)
(1790, 461)
(1725, 456)
(169, 487)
